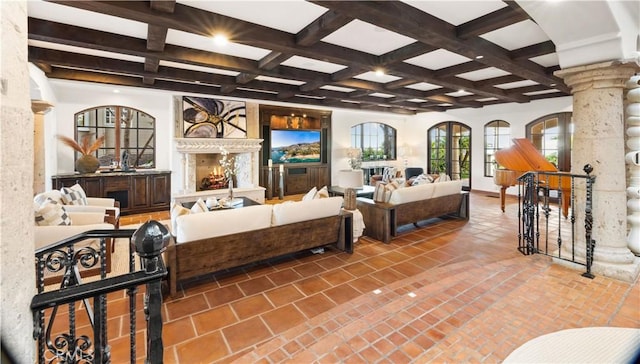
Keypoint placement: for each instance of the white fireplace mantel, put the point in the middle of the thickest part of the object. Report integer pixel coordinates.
(215, 145)
(246, 159)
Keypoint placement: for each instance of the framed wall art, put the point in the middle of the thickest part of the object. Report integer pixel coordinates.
(213, 118)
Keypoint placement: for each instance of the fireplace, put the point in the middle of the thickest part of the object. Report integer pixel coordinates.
(200, 157)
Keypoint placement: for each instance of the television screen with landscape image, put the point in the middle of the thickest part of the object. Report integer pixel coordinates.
(295, 146)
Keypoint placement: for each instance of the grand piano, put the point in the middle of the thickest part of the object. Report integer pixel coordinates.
(523, 157)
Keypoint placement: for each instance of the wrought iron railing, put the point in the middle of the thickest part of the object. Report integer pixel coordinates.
(544, 229)
(60, 337)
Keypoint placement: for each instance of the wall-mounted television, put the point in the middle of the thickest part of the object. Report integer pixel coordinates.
(295, 146)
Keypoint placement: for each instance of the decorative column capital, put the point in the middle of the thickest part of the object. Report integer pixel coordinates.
(611, 74)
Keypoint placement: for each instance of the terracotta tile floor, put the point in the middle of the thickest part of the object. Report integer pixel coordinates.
(448, 291)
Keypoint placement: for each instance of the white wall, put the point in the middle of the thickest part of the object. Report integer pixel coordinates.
(75, 96)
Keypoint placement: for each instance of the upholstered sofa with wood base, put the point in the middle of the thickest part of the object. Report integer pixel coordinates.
(211, 241)
(410, 205)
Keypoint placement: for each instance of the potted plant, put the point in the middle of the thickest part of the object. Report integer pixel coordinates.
(87, 162)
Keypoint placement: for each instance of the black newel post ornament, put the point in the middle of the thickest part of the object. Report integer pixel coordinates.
(149, 241)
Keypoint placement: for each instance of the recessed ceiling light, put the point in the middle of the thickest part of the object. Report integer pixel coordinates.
(552, 85)
(379, 73)
(460, 91)
(116, 91)
(220, 39)
(479, 57)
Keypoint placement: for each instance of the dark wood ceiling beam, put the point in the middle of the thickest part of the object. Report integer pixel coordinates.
(458, 69)
(273, 60)
(534, 50)
(394, 85)
(205, 23)
(44, 67)
(165, 6)
(244, 78)
(156, 38)
(347, 73)
(151, 64)
(498, 80)
(111, 79)
(490, 22)
(456, 83)
(326, 24)
(439, 34)
(228, 88)
(409, 51)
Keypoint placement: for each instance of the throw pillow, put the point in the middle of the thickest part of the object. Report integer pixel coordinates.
(74, 195)
(322, 193)
(389, 188)
(388, 174)
(175, 211)
(199, 206)
(378, 193)
(442, 178)
(310, 195)
(51, 213)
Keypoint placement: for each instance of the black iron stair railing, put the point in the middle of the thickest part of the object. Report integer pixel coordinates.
(542, 229)
(76, 345)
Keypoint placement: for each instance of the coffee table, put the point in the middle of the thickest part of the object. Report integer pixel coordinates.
(364, 191)
(245, 202)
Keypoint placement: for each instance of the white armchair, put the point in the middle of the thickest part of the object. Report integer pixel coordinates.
(108, 206)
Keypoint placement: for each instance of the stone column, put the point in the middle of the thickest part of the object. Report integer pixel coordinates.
(598, 139)
(633, 162)
(39, 108)
(17, 281)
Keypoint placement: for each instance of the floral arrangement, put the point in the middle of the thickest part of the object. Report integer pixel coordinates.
(228, 165)
(355, 158)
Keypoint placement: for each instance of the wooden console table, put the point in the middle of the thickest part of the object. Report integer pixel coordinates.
(139, 191)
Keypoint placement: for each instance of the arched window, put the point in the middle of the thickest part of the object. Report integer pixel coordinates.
(553, 136)
(449, 151)
(376, 140)
(497, 135)
(124, 129)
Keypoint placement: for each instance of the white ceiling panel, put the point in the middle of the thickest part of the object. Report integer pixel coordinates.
(374, 77)
(483, 74)
(190, 40)
(459, 93)
(312, 64)
(528, 32)
(337, 88)
(511, 85)
(457, 12)
(423, 86)
(548, 60)
(440, 58)
(367, 38)
(90, 52)
(85, 19)
(186, 66)
(290, 16)
(280, 80)
(380, 94)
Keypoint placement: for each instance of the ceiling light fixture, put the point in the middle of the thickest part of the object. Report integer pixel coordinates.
(552, 85)
(479, 57)
(379, 73)
(116, 91)
(220, 40)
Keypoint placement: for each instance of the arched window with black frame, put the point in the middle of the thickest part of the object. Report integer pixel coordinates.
(449, 151)
(497, 135)
(376, 140)
(553, 136)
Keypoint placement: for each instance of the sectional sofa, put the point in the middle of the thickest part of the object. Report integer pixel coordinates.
(211, 241)
(412, 204)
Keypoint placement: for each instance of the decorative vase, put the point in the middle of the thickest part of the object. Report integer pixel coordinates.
(87, 163)
(231, 189)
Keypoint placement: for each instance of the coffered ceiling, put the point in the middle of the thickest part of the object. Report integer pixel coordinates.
(433, 55)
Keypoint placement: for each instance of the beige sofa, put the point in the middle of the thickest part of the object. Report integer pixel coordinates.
(412, 204)
(211, 241)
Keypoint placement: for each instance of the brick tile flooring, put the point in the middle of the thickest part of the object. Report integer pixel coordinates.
(448, 291)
